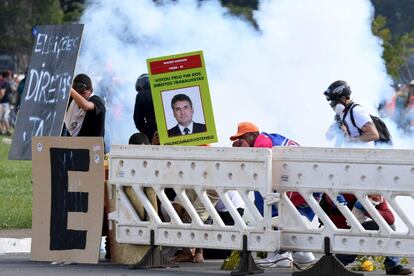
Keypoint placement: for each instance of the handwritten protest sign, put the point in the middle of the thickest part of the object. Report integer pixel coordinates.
(68, 197)
(48, 82)
(181, 99)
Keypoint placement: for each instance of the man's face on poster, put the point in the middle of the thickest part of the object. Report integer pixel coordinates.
(183, 112)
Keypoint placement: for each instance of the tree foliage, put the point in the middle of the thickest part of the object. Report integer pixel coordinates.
(397, 51)
(17, 17)
(72, 9)
(399, 14)
(245, 12)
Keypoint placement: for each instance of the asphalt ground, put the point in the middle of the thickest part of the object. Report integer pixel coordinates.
(20, 264)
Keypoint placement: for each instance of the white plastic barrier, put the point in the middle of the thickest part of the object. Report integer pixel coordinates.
(305, 170)
(201, 169)
(333, 171)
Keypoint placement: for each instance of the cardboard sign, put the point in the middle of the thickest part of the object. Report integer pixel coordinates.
(47, 87)
(181, 99)
(68, 199)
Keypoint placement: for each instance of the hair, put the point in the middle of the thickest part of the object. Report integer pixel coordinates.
(6, 74)
(138, 139)
(85, 79)
(142, 83)
(180, 98)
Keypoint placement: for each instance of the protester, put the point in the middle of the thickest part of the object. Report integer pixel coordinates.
(138, 139)
(182, 107)
(142, 139)
(338, 95)
(407, 120)
(20, 90)
(85, 115)
(5, 91)
(248, 135)
(194, 255)
(144, 116)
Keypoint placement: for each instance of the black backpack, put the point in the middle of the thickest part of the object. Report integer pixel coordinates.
(384, 133)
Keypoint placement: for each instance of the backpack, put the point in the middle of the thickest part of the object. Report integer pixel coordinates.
(384, 133)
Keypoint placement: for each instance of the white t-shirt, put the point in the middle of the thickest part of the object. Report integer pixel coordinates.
(235, 198)
(74, 118)
(361, 117)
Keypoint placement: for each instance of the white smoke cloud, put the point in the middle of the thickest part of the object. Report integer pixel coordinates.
(274, 76)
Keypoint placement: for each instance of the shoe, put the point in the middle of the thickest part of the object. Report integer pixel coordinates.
(184, 256)
(277, 260)
(398, 270)
(198, 256)
(303, 257)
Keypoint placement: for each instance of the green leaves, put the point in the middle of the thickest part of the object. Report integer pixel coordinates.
(397, 50)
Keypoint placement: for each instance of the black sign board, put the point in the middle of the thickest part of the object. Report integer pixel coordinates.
(47, 87)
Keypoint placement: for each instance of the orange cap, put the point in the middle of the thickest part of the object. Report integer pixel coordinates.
(243, 128)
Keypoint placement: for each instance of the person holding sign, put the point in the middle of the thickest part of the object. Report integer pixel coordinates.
(144, 115)
(86, 113)
(182, 107)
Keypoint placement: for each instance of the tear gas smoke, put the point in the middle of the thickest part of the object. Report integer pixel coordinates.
(273, 76)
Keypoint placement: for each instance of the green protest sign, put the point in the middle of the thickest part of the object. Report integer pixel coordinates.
(181, 99)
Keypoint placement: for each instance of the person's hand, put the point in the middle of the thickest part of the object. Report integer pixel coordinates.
(341, 199)
(376, 199)
(344, 130)
(155, 139)
(240, 143)
(73, 91)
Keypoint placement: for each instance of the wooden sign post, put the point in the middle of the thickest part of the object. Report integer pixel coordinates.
(47, 88)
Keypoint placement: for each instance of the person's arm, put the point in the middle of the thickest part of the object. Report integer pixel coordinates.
(81, 101)
(385, 212)
(139, 114)
(369, 133)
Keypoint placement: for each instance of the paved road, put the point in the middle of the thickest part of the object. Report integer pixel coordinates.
(20, 264)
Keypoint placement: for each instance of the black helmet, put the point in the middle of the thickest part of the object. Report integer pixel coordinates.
(337, 90)
(142, 83)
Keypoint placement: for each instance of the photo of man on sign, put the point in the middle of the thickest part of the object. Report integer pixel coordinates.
(187, 113)
(181, 99)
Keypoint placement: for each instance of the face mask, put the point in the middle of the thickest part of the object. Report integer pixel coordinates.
(339, 109)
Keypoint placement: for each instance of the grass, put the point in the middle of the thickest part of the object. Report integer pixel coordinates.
(15, 190)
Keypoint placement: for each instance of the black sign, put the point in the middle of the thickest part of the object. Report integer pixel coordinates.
(47, 87)
(64, 201)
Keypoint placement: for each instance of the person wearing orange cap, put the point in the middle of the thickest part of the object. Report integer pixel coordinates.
(247, 132)
(248, 135)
